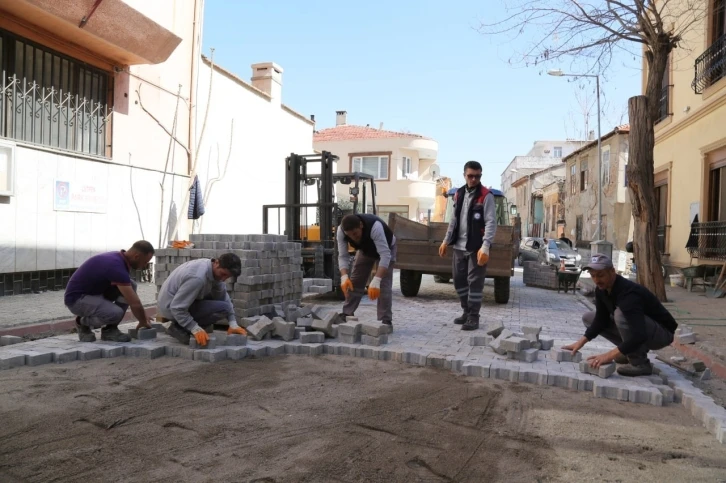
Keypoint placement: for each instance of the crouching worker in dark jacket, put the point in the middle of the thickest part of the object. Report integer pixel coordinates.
(629, 316)
(374, 242)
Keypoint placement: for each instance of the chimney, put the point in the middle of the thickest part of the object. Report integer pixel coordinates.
(341, 118)
(267, 77)
(312, 117)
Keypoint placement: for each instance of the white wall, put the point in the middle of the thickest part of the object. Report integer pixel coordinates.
(264, 135)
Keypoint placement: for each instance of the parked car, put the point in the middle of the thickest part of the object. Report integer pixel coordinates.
(556, 250)
(529, 249)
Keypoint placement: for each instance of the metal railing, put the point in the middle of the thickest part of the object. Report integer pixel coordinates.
(663, 104)
(662, 232)
(708, 240)
(710, 66)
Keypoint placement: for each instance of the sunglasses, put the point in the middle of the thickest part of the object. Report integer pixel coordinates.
(473, 176)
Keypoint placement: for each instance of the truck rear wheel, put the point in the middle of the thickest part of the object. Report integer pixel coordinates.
(410, 282)
(441, 279)
(501, 290)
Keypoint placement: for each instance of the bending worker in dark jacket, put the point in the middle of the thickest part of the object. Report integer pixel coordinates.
(629, 316)
(471, 232)
(374, 241)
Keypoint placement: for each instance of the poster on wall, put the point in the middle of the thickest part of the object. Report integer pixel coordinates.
(78, 196)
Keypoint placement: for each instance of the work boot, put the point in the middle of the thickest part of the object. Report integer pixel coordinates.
(179, 333)
(85, 334)
(634, 370)
(112, 334)
(621, 359)
(461, 320)
(470, 324)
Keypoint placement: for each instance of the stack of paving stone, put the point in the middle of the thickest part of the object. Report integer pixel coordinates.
(538, 275)
(522, 346)
(271, 269)
(313, 325)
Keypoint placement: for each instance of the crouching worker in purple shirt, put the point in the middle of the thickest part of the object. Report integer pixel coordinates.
(629, 316)
(101, 290)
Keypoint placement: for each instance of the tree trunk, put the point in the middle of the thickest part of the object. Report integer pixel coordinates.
(640, 182)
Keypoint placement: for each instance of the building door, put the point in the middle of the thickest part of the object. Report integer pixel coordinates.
(578, 228)
(717, 195)
(661, 215)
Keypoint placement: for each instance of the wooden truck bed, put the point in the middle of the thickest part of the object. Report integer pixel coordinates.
(418, 248)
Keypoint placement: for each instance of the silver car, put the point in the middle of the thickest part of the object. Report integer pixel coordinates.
(556, 250)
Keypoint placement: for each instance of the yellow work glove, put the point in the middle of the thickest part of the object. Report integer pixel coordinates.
(482, 257)
(374, 288)
(345, 284)
(442, 250)
(201, 336)
(236, 330)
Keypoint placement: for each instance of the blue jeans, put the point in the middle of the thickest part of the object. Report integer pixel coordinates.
(206, 312)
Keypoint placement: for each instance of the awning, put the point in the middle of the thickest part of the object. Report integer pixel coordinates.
(110, 28)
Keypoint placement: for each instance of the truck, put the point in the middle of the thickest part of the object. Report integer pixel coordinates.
(418, 249)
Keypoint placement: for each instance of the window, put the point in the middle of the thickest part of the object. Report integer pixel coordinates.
(49, 99)
(583, 175)
(717, 194)
(406, 166)
(557, 152)
(573, 179)
(606, 166)
(374, 165)
(578, 228)
(664, 98)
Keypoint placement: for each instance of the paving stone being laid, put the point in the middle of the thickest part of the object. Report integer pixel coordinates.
(236, 339)
(146, 334)
(604, 371)
(374, 341)
(211, 343)
(312, 338)
(562, 355)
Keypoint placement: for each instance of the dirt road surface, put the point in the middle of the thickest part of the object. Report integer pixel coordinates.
(329, 419)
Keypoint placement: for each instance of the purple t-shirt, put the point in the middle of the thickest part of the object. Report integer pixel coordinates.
(98, 274)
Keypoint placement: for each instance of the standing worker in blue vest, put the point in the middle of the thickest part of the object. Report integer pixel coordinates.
(470, 232)
(374, 242)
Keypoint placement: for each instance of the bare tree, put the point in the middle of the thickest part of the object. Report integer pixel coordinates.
(589, 33)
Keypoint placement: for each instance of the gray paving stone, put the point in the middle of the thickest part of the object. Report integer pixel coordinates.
(10, 340)
(350, 339)
(276, 350)
(533, 376)
(546, 343)
(34, 358)
(146, 334)
(349, 328)
(566, 356)
(373, 329)
(211, 355)
(610, 391)
(283, 329)
(527, 355)
(312, 338)
(668, 393)
(325, 325)
(234, 340)
(261, 328)
(110, 351)
(604, 371)
(305, 321)
(299, 331)
(531, 333)
(144, 352)
(414, 357)
(496, 344)
(514, 344)
(494, 329)
(475, 369)
(480, 340)
(256, 352)
(374, 341)
(506, 373)
(88, 353)
(64, 356)
(9, 360)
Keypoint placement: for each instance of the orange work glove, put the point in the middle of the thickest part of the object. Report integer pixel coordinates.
(482, 257)
(374, 288)
(442, 250)
(201, 336)
(345, 284)
(236, 330)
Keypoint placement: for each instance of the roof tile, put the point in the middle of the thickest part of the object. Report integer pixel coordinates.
(346, 133)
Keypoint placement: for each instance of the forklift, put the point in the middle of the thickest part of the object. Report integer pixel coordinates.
(314, 224)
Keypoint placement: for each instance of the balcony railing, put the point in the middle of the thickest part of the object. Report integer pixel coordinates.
(708, 240)
(662, 236)
(710, 66)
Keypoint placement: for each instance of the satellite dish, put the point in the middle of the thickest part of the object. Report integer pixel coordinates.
(435, 171)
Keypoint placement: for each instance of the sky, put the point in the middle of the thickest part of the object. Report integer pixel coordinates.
(418, 66)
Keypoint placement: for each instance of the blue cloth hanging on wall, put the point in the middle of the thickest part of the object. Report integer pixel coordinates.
(196, 201)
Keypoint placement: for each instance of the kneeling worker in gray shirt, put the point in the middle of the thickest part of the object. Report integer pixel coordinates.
(195, 296)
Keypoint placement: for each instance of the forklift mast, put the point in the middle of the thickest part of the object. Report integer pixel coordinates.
(296, 179)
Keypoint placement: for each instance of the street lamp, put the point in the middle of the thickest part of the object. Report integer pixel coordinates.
(559, 73)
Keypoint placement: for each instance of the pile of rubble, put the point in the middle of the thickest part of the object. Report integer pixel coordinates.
(270, 275)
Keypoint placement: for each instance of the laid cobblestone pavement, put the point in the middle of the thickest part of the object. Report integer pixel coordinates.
(19, 310)
(425, 335)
